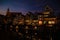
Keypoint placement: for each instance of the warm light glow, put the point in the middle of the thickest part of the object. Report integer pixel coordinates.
(11, 28)
(35, 27)
(40, 15)
(46, 12)
(17, 27)
(26, 27)
(40, 18)
(44, 22)
(27, 20)
(35, 20)
(52, 19)
(20, 33)
(20, 22)
(33, 24)
(40, 22)
(45, 15)
(51, 22)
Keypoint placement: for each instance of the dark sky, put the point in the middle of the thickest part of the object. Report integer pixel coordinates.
(28, 5)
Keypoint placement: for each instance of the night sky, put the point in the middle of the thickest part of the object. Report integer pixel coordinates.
(28, 5)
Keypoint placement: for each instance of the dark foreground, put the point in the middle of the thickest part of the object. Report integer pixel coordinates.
(40, 33)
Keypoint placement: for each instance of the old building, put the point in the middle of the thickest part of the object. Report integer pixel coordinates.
(15, 17)
(47, 16)
(28, 19)
(40, 18)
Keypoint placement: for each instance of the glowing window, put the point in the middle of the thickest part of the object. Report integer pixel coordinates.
(33, 23)
(40, 18)
(46, 12)
(16, 27)
(35, 20)
(27, 20)
(11, 26)
(35, 27)
(40, 15)
(26, 27)
(44, 22)
(45, 15)
(51, 22)
(20, 22)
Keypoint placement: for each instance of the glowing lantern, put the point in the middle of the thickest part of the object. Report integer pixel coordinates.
(40, 22)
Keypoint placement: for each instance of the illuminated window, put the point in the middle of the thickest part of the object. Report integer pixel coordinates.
(26, 27)
(40, 18)
(45, 15)
(40, 22)
(35, 27)
(20, 22)
(33, 23)
(35, 20)
(27, 20)
(46, 12)
(20, 33)
(51, 22)
(16, 27)
(44, 22)
(11, 28)
(40, 15)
